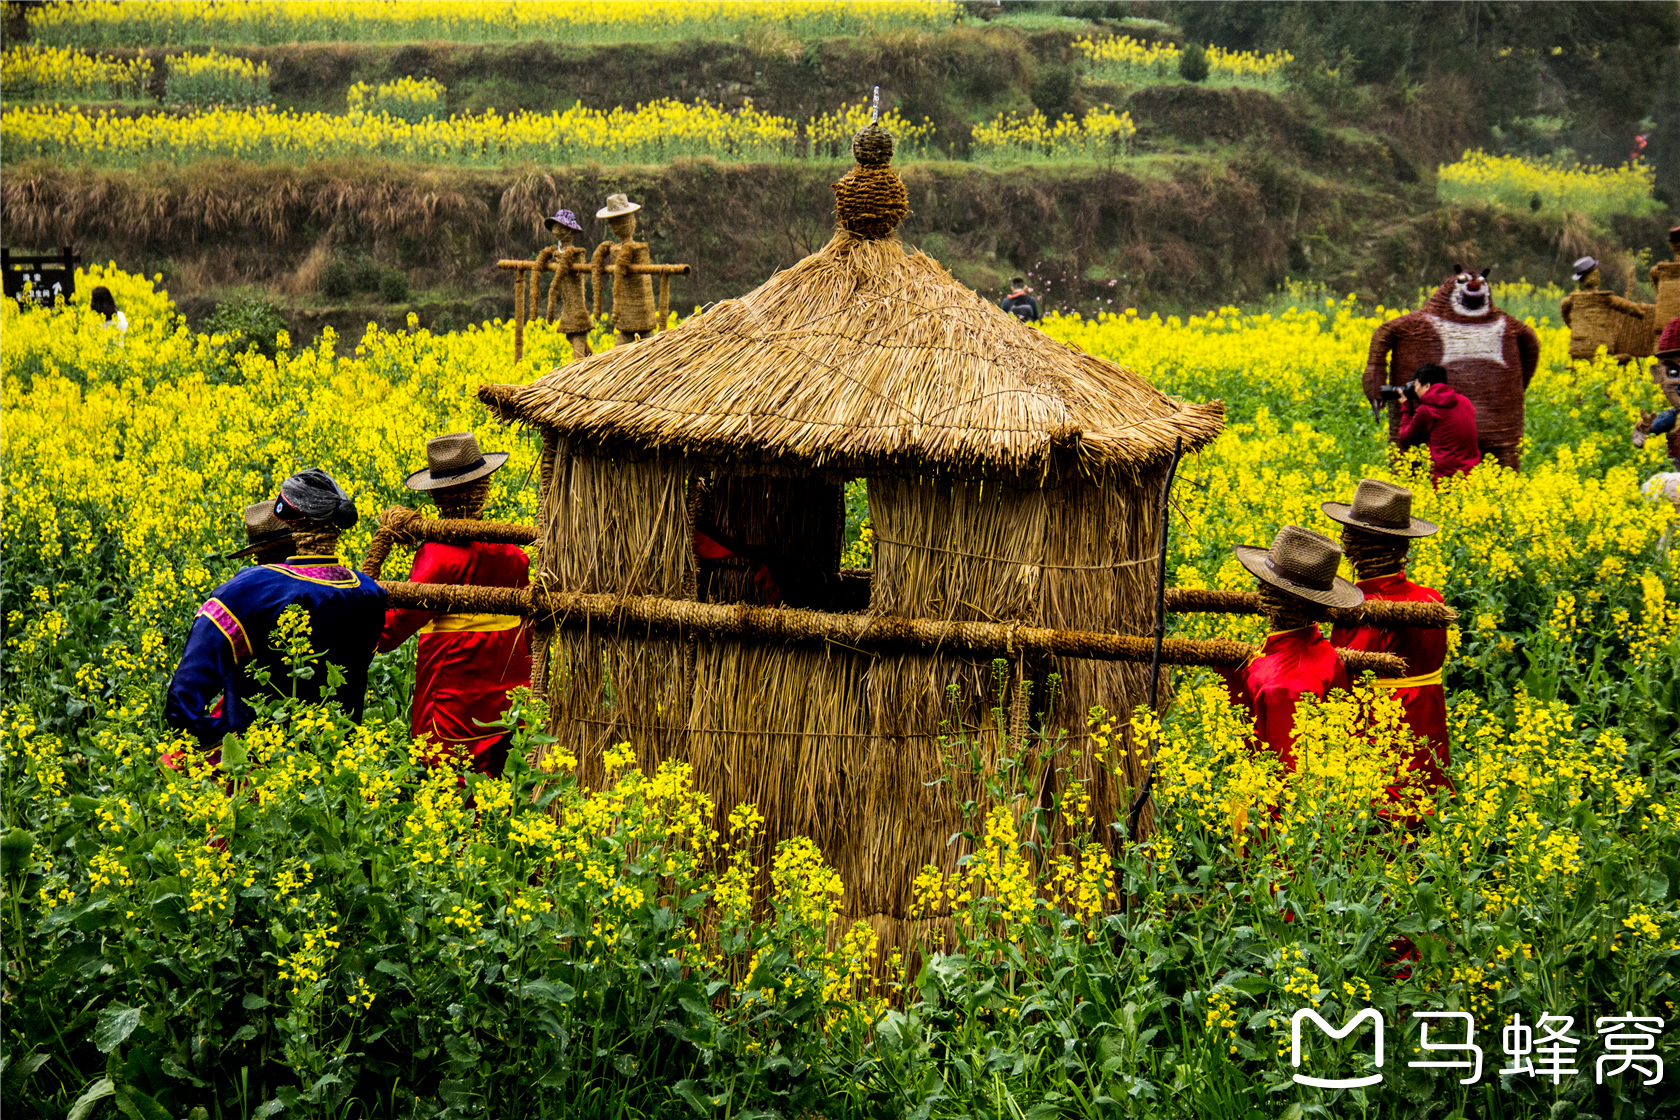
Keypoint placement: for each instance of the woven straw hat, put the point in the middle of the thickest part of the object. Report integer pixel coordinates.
(1304, 564)
(617, 204)
(262, 529)
(1380, 507)
(452, 460)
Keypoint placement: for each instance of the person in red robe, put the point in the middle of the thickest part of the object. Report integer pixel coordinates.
(1377, 530)
(466, 663)
(1298, 586)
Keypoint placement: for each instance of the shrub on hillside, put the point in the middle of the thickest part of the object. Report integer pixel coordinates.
(1052, 91)
(393, 286)
(1193, 63)
(248, 321)
(336, 281)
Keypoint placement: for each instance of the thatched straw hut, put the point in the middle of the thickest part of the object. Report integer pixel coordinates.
(1011, 479)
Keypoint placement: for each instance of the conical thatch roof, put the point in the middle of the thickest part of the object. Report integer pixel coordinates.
(862, 356)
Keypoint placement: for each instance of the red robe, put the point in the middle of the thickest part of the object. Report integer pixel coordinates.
(1425, 651)
(1291, 664)
(467, 663)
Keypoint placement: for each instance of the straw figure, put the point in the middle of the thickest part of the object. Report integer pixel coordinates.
(633, 314)
(1598, 318)
(1377, 531)
(1012, 483)
(1298, 588)
(566, 288)
(467, 661)
(268, 539)
(1490, 357)
(232, 632)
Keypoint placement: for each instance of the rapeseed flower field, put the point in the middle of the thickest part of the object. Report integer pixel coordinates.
(1520, 182)
(90, 23)
(32, 70)
(322, 912)
(1121, 58)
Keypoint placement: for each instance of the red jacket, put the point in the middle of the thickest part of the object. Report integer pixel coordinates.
(1446, 420)
(1425, 651)
(466, 662)
(1290, 665)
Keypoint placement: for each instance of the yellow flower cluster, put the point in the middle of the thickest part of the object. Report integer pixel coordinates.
(407, 98)
(1100, 132)
(655, 132)
(213, 78)
(1517, 182)
(830, 134)
(60, 73)
(1122, 58)
(91, 22)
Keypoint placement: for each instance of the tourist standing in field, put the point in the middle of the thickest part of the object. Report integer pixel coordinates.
(1435, 414)
(103, 302)
(231, 636)
(1298, 586)
(1019, 302)
(466, 663)
(1377, 531)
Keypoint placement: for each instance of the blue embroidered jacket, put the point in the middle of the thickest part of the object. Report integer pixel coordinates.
(230, 637)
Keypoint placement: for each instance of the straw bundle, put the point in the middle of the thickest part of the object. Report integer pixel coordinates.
(1593, 322)
(1187, 600)
(1633, 332)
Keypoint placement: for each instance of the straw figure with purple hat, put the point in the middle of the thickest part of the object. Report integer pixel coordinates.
(231, 637)
(634, 315)
(1298, 588)
(1597, 318)
(267, 538)
(567, 286)
(468, 661)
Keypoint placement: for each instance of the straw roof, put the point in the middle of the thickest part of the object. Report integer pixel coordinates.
(864, 355)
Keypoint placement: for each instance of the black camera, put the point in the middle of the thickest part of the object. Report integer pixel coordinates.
(1386, 393)
(1389, 392)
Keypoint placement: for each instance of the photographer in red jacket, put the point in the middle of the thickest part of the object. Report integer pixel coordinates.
(1434, 413)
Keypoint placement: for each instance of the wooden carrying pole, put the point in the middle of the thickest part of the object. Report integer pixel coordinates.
(1195, 600)
(575, 610)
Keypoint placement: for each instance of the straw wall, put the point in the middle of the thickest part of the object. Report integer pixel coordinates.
(616, 526)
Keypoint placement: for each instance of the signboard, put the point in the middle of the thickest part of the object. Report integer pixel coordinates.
(47, 275)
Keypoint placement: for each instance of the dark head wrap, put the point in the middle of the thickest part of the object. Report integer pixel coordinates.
(313, 496)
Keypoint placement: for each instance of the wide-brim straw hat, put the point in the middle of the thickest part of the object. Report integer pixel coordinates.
(262, 529)
(617, 204)
(454, 460)
(1304, 564)
(1380, 507)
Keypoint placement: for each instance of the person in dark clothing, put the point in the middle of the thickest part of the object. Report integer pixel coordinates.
(1666, 375)
(230, 636)
(1434, 413)
(1018, 302)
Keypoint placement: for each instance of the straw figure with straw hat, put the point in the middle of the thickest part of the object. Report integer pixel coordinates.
(567, 286)
(468, 661)
(1298, 587)
(1597, 318)
(1377, 531)
(267, 538)
(1013, 482)
(231, 634)
(633, 313)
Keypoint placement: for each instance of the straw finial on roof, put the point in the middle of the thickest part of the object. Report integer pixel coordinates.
(870, 199)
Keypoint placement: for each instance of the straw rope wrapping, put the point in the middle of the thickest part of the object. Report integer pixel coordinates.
(409, 527)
